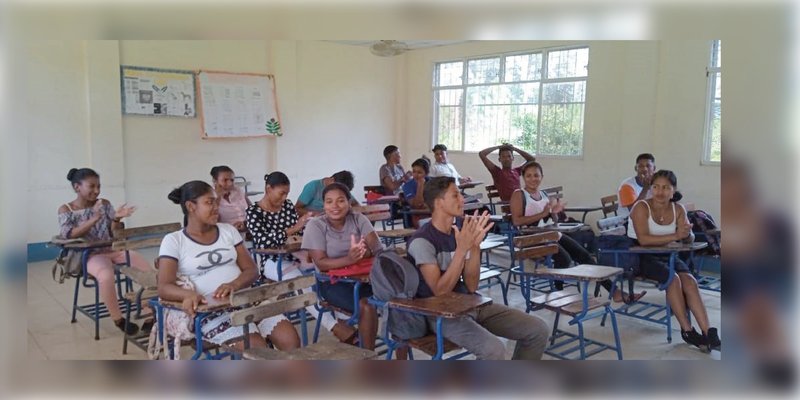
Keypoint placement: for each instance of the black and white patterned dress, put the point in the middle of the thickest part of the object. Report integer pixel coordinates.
(268, 229)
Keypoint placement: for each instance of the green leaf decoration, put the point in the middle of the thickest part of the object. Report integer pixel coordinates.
(274, 127)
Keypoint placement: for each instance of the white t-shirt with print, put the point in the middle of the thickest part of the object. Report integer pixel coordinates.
(206, 265)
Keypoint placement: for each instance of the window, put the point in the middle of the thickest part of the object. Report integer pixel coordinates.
(534, 100)
(712, 152)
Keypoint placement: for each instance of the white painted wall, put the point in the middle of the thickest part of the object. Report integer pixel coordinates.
(338, 108)
(163, 153)
(643, 96)
(337, 104)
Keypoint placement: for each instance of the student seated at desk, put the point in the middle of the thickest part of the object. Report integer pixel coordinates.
(232, 201)
(637, 187)
(658, 222)
(94, 219)
(506, 176)
(337, 239)
(443, 167)
(206, 259)
(392, 175)
(448, 259)
(413, 189)
(311, 197)
(530, 205)
(271, 221)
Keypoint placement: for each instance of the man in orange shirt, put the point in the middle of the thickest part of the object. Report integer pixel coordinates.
(637, 187)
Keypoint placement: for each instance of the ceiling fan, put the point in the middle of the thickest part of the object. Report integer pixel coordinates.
(388, 48)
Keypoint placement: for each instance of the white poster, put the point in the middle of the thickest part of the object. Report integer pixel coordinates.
(158, 92)
(238, 105)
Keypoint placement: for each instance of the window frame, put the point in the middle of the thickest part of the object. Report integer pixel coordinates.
(542, 80)
(708, 126)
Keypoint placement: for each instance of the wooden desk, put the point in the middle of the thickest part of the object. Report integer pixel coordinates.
(211, 304)
(670, 248)
(317, 351)
(582, 273)
(584, 209)
(396, 233)
(580, 307)
(388, 199)
(450, 305)
(469, 185)
(81, 245)
(563, 227)
(280, 250)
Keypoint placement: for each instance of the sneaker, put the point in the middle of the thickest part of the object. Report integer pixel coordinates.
(694, 338)
(132, 328)
(712, 338)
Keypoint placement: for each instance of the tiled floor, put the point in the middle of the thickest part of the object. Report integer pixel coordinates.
(51, 336)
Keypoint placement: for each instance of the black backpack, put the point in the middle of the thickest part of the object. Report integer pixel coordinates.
(703, 224)
(392, 277)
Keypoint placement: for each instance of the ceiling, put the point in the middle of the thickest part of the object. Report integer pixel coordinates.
(412, 44)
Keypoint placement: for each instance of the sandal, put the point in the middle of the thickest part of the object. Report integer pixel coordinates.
(712, 340)
(132, 328)
(345, 333)
(694, 338)
(626, 298)
(147, 325)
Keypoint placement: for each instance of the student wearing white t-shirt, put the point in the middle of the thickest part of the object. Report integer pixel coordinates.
(637, 187)
(212, 258)
(443, 167)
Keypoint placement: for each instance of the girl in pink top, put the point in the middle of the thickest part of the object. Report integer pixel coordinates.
(232, 201)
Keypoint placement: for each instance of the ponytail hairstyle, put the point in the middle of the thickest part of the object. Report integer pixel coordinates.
(276, 178)
(220, 169)
(423, 163)
(189, 191)
(673, 180)
(76, 176)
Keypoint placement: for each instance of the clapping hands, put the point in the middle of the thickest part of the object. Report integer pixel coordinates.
(473, 230)
(124, 211)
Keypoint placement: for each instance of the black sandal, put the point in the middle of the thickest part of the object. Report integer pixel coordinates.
(694, 338)
(712, 340)
(131, 327)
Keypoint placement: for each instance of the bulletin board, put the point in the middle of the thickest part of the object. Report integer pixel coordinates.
(236, 105)
(157, 92)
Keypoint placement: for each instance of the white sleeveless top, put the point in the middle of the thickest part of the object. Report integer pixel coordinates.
(533, 207)
(655, 229)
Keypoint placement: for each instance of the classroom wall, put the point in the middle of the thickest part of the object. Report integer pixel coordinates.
(338, 105)
(331, 96)
(642, 96)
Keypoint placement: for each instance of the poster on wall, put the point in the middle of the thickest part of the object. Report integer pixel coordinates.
(236, 105)
(158, 92)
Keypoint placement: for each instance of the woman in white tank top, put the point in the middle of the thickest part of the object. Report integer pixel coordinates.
(529, 205)
(658, 222)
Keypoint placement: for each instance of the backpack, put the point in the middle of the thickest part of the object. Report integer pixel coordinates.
(392, 277)
(702, 223)
(68, 263)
